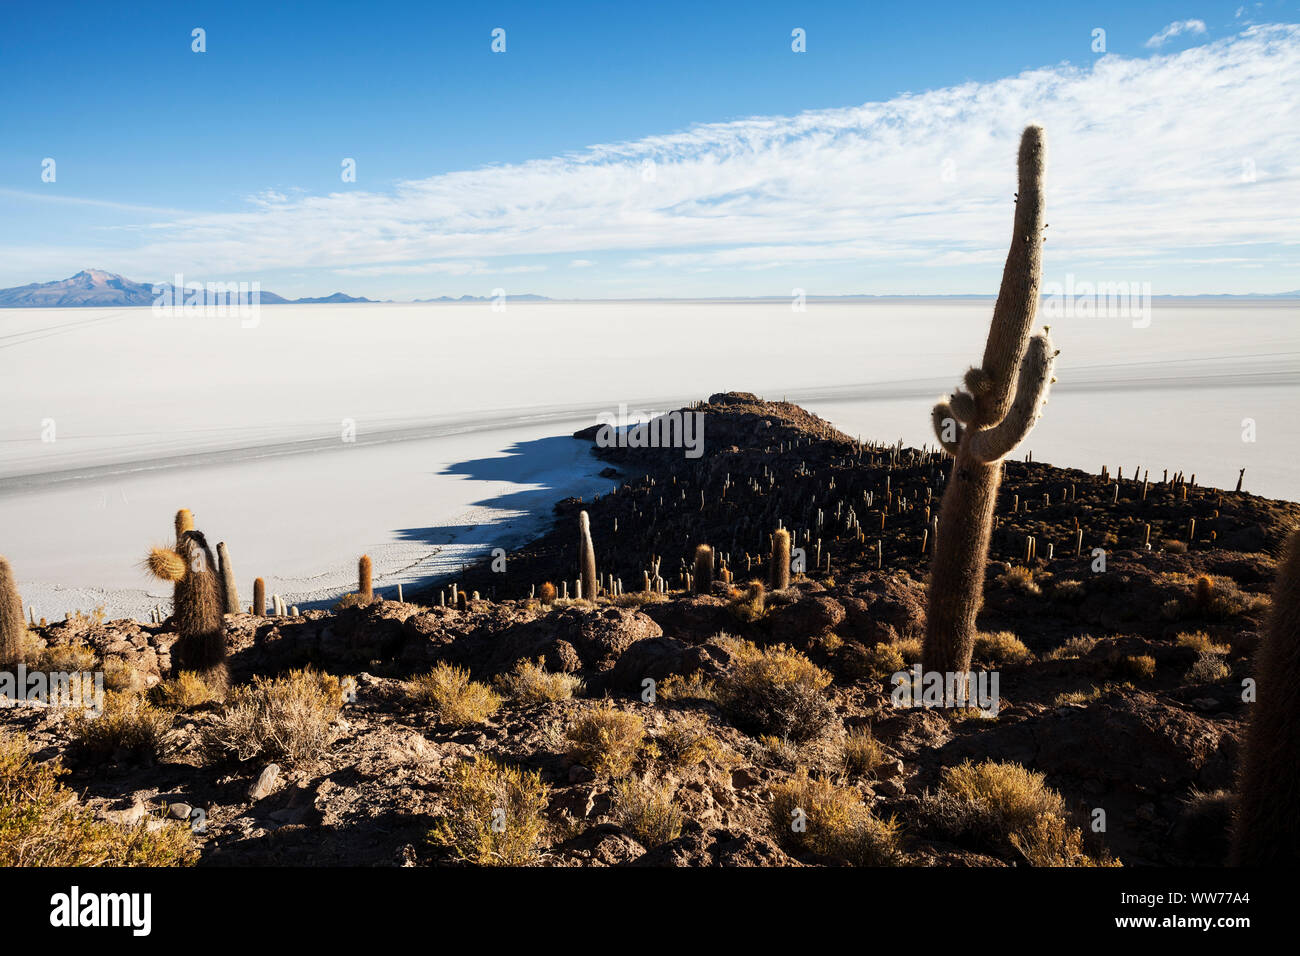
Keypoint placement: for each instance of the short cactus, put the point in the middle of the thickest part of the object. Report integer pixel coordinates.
(1267, 828)
(587, 559)
(13, 629)
(703, 576)
(779, 577)
(365, 589)
(981, 425)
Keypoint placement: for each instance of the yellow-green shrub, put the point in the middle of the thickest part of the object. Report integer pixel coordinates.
(287, 718)
(457, 700)
(606, 739)
(835, 822)
(493, 814)
(774, 690)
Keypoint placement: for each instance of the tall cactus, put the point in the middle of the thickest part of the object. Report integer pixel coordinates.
(1267, 827)
(199, 600)
(365, 587)
(979, 426)
(259, 597)
(13, 628)
(779, 573)
(587, 559)
(703, 576)
(228, 579)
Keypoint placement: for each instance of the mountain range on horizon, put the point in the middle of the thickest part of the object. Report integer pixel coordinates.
(99, 288)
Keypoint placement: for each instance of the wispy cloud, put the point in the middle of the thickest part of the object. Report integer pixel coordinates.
(1177, 28)
(1170, 158)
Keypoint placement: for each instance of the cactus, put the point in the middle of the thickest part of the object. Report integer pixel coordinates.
(199, 600)
(228, 579)
(1266, 830)
(780, 571)
(587, 559)
(979, 426)
(13, 629)
(546, 593)
(365, 589)
(259, 597)
(703, 577)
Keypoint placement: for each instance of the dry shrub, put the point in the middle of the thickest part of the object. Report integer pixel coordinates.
(42, 824)
(780, 750)
(286, 718)
(910, 648)
(1218, 598)
(862, 753)
(814, 816)
(531, 683)
(774, 690)
(606, 739)
(1011, 809)
(1072, 649)
(1000, 647)
(122, 677)
(871, 663)
(455, 699)
(1208, 669)
(689, 741)
(1202, 643)
(1142, 666)
(129, 725)
(693, 686)
(493, 814)
(1019, 579)
(645, 808)
(185, 691)
(64, 658)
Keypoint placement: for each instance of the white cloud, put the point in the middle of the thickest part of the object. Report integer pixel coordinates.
(1146, 160)
(1177, 28)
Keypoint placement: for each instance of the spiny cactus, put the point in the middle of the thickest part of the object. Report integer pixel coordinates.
(228, 578)
(703, 576)
(779, 577)
(13, 629)
(365, 589)
(546, 593)
(587, 559)
(259, 597)
(979, 426)
(1267, 828)
(199, 601)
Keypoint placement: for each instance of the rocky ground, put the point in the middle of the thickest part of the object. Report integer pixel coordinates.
(1155, 746)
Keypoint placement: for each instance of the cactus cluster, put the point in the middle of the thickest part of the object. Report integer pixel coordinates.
(199, 600)
(981, 424)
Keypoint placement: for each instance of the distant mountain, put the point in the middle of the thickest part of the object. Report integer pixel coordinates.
(525, 297)
(95, 287)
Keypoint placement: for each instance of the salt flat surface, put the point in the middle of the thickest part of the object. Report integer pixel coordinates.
(428, 434)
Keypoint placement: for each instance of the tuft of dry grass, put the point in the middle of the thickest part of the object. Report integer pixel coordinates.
(910, 648)
(645, 808)
(1000, 647)
(1072, 649)
(185, 691)
(812, 815)
(1202, 643)
(1208, 669)
(129, 725)
(605, 739)
(1019, 579)
(862, 753)
(689, 741)
(751, 604)
(493, 814)
(1142, 666)
(774, 690)
(64, 658)
(287, 718)
(42, 823)
(692, 686)
(531, 683)
(455, 699)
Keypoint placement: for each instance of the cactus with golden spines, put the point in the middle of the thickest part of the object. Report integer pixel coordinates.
(982, 423)
(198, 601)
(365, 588)
(702, 578)
(13, 629)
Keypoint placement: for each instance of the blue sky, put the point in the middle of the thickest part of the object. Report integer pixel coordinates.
(646, 149)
